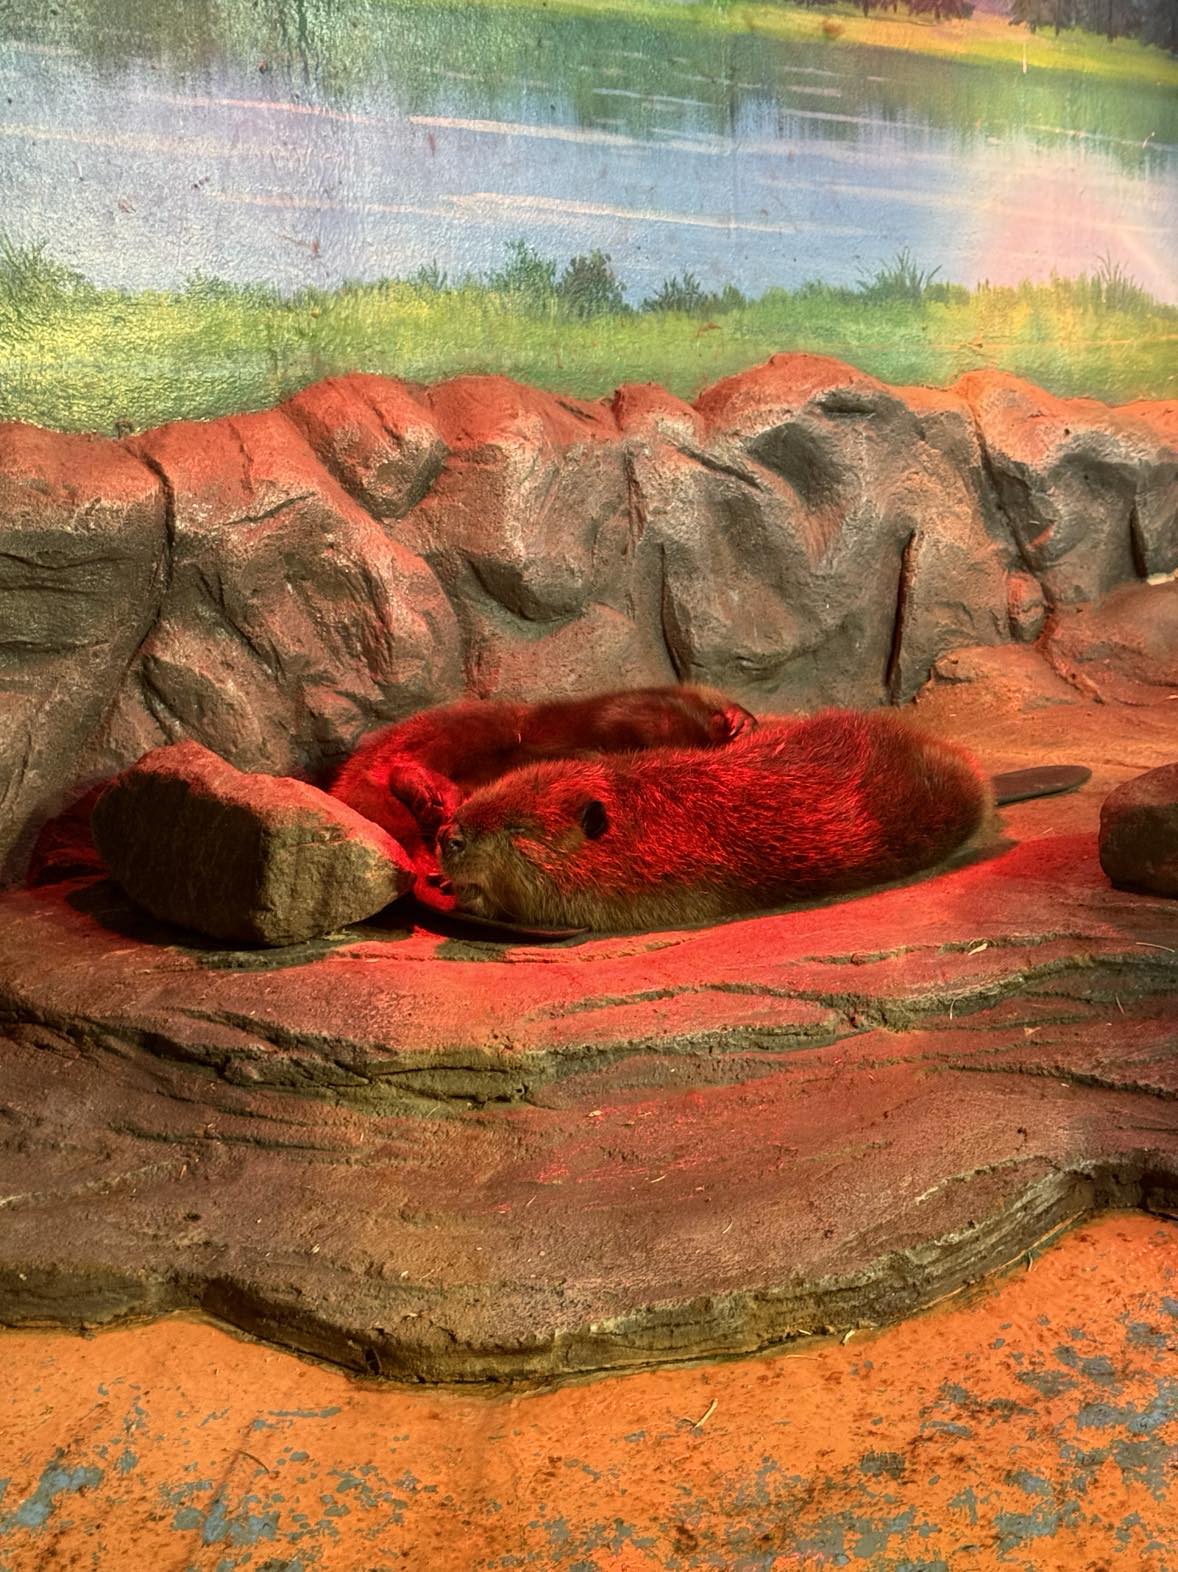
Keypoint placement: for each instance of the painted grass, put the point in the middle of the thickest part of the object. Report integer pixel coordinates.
(101, 359)
(982, 39)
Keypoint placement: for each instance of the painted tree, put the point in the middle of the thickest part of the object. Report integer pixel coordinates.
(1152, 21)
(590, 288)
(940, 9)
(1057, 14)
(1160, 25)
(528, 278)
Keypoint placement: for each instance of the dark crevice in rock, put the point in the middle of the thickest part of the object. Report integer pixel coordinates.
(734, 471)
(1137, 545)
(587, 417)
(213, 587)
(168, 555)
(272, 512)
(995, 487)
(247, 462)
(156, 701)
(679, 658)
(635, 503)
(845, 403)
(905, 584)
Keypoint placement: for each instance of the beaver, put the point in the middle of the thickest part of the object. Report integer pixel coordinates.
(791, 811)
(411, 777)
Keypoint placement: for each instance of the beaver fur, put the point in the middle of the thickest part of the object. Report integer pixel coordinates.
(411, 777)
(790, 811)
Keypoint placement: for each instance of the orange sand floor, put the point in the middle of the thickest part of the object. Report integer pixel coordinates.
(1035, 1427)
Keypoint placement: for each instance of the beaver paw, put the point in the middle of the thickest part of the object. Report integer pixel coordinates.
(431, 798)
(732, 722)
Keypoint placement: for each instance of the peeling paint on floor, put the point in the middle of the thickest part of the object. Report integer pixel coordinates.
(1034, 1428)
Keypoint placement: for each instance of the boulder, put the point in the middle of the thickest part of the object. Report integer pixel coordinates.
(292, 622)
(375, 437)
(828, 538)
(274, 585)
(1122, 649)
(249, 859)
(530, 512)
(1139, 832)
(1090, 493)
(82, 565)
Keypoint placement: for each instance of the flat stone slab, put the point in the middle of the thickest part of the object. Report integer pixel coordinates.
(446, 1160)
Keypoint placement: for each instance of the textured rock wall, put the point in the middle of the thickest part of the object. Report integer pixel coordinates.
(275, 584)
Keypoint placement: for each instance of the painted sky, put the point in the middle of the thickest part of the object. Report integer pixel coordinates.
(743, 161)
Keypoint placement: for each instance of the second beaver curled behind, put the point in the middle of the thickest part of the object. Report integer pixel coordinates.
(410, 778)
(790, 811)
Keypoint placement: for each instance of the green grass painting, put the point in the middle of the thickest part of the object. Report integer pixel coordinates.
(90, 359)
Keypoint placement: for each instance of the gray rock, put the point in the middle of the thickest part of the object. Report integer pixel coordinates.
(531, 510)
(82, 561)
(376, 438)
(839, 538)
(1139, 832)
(250, 859)
(1122, 649)
(275, 585)
(599, 650)
(1090, 494)
(292, 621)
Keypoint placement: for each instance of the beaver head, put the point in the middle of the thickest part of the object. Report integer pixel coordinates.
(517, 849)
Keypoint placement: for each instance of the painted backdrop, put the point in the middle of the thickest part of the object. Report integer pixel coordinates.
(205, 206)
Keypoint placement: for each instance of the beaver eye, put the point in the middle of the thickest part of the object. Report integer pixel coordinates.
(451, 838)
(594, 819)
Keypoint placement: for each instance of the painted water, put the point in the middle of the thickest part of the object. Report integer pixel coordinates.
(312, 143)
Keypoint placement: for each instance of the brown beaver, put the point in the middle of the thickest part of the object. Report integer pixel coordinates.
(787, 812)
(411, 777)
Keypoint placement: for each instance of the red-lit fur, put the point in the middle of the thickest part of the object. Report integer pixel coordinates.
(411, 777)
(790, 811)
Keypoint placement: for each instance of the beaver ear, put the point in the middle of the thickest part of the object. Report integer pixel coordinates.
(594, 819)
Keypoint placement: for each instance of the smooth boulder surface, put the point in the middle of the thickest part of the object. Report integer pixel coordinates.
(275, 584)
(1139, 832)
(244, 858)
(1121, 649)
